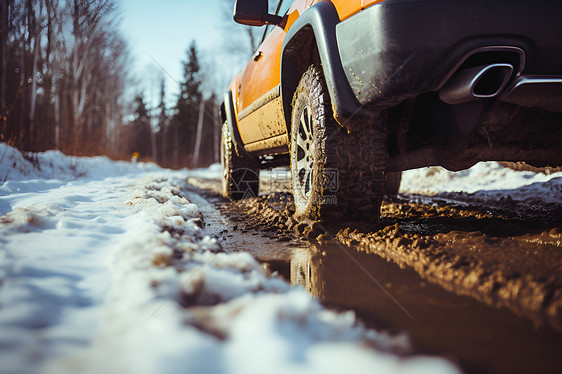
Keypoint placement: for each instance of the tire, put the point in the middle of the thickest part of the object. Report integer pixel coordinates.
(392, 184)
(240, 174)
(335, 174)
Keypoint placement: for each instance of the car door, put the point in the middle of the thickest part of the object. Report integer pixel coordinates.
(260, 108)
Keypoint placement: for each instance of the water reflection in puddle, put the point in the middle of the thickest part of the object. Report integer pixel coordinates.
(483, 339)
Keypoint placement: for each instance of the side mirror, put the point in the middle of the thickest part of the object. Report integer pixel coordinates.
(254, 13)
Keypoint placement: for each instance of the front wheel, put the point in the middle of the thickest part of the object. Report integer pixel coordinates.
(335, 174)
(240, 174)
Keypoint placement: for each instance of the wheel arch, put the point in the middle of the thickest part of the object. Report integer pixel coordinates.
(228, 115)
(298, 54)
(312, 38)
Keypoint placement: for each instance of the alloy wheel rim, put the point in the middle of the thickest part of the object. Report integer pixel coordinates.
(304, 159)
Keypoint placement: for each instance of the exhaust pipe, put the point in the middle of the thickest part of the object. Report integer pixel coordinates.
(476, 83)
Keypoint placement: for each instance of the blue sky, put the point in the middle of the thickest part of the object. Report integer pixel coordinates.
(162, 30)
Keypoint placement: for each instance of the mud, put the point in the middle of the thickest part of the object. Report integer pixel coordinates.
(503, 262)
(398, 277)
(505, 206)
(522, 166)
(501, 259)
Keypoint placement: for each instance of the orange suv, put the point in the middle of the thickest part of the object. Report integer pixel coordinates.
(351, 93)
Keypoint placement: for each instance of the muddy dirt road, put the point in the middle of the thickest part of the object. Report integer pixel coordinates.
(481, 286)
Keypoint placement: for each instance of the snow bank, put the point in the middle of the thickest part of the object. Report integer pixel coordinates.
(191, 306)
(212, 172)
(55, 165)
(485, 182)
(116, 274)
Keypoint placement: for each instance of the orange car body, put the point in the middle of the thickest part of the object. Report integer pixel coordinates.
(261, 100)
(263, 126)
(262, 80)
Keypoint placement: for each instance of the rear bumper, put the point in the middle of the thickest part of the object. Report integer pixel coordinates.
(398, 49)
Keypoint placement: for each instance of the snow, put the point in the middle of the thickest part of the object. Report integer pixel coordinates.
(485, 182)
(54, 165)
(105, 267)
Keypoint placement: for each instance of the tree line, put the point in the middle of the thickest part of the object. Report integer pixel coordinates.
(188, 135)
(65, 84)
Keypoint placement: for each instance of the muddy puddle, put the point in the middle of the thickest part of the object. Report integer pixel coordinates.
(480, 338)
(501, 260)
(454, 279)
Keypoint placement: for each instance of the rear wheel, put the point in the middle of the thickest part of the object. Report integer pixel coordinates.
(240, 174)
(335, 174)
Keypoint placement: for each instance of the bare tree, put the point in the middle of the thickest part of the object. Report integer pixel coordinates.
(63, 74)
(5, 26)
(36, 12)
(200, 117)
(240, 41)
(93, 72)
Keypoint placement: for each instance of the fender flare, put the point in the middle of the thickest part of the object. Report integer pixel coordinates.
(322, 18)
(230, 116)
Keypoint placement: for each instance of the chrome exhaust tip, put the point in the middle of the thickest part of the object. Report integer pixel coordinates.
(476, 83)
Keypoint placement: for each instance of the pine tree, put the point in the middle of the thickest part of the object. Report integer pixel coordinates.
(191, 85)
(140, 131)
(184, 122)
(164, 146)
(162, 108)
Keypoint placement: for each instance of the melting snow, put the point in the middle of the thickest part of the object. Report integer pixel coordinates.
(104, 267)
(487, 183)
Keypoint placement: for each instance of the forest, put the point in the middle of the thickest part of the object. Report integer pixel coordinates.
(66, 83)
